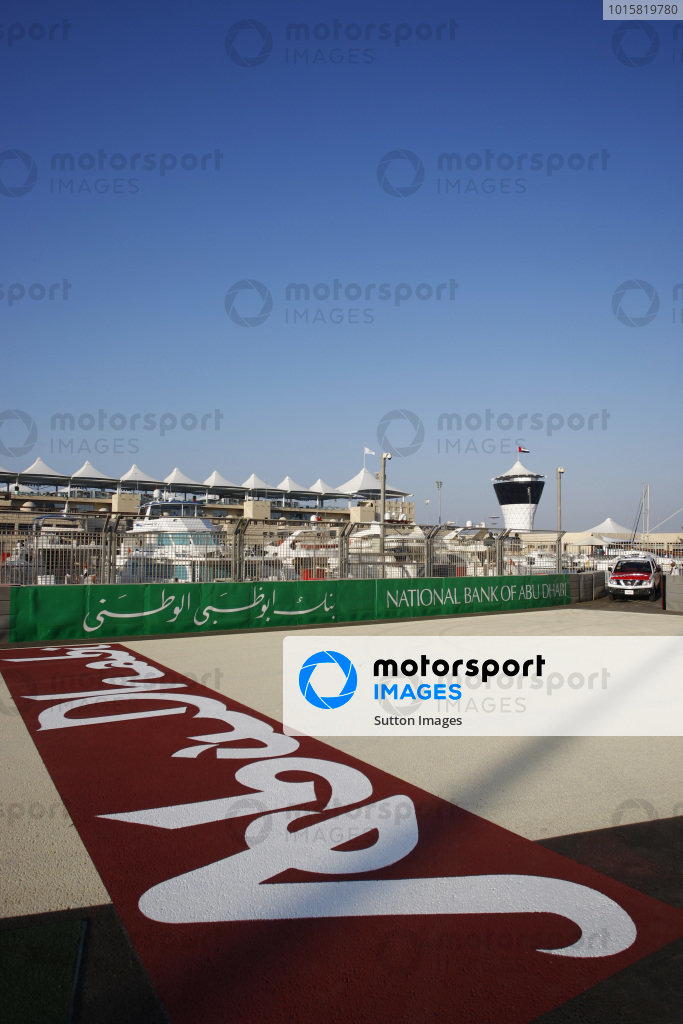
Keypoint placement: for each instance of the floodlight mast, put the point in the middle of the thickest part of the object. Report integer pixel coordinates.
(383, 507)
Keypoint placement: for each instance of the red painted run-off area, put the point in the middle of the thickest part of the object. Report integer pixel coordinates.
(434, 963)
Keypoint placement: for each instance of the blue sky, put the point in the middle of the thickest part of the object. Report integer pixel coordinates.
(511, 291)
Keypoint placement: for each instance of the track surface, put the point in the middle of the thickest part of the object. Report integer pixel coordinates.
(535, 788)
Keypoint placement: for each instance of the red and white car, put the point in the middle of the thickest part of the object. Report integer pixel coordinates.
(635, 576)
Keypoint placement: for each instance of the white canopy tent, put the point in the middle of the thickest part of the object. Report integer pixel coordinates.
(40, 473)
(365, 485)
(89, 476)
(220, 485)
(324, 492)
(139, 479)
(609, 527)
(291, 489)
(255, 485)
(179, 482)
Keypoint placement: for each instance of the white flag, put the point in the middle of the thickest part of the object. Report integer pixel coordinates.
(368, 451)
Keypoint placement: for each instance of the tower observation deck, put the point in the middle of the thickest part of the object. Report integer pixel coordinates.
(518, 492)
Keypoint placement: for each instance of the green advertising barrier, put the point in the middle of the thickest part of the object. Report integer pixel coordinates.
(400, 599)
(95, 612)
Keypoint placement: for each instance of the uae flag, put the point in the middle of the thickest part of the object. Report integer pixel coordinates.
(523, 451)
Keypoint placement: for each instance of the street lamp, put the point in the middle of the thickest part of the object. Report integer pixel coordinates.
(439, 485)
(560, 471)
(427, 509)
(383, 506)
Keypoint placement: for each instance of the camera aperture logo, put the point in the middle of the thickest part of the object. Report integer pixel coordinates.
(241, 37)
(406, 188)
(635, 43)
(14, 417)
(18, 173)
(248, 285)
(347, 672)
(402, 417)
(626, 297)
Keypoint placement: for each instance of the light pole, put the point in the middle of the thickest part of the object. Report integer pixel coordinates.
(383, 506)
(427, 509)
(560, 471)
(439, 485)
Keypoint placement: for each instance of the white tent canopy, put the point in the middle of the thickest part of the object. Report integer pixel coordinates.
(608, 527)
(40, 472)
(294, 490)
(255, 483)
(177, 477)
(216, 482)
(90, 474)
(325, 490)
(365, 484)
(136, 476)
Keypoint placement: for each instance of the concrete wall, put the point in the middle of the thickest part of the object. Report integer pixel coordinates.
(4, 613)
(673, 594)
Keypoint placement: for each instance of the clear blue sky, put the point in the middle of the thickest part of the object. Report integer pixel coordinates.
(529, 301)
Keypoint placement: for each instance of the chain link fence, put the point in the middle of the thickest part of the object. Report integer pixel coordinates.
(113, 549)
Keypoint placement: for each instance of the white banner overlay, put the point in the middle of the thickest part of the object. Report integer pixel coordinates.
(483, 686)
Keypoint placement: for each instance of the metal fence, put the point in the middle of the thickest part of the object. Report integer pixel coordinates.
(58, 551)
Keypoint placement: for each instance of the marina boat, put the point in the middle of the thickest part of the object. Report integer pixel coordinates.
(404, 553)
(165, 547)
(65, 549)
(307, 553)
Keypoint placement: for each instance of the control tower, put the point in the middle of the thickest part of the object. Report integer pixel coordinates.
(518, 492)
